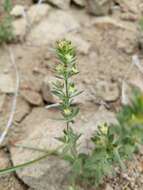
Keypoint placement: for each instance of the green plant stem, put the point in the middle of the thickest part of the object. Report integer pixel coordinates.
(74, 151)
(67, 98)
(67, 125)
(26, 164)
(30, 148)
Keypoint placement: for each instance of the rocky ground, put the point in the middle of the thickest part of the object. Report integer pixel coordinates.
(106, 35)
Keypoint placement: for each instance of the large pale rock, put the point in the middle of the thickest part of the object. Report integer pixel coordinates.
(99, 8)
(37, 12)
(64, 22)
(34, 15)
(18, 11)
(6, 83)
(39, 130)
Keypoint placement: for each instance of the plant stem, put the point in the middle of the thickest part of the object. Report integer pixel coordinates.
(30, 148)
(67, 125)
(26, 164)
(67, 98)
(66, 85)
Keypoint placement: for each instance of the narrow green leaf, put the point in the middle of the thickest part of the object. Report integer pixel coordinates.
(26, 164)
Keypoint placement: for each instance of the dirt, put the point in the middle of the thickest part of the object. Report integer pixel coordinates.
(105, 46)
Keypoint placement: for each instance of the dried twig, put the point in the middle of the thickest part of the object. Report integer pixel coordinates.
(52, 106)
(40, 1)
(13, 109)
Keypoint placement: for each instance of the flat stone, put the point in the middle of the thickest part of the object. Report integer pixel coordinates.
(18, 11)
(30, 84)
(37, 12)
(107, 91)
(52, 173)
(51, 33)
(32, 97)
(99, 8)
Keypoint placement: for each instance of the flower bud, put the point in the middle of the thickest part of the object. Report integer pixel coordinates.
(104, 128)
(67, 111)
